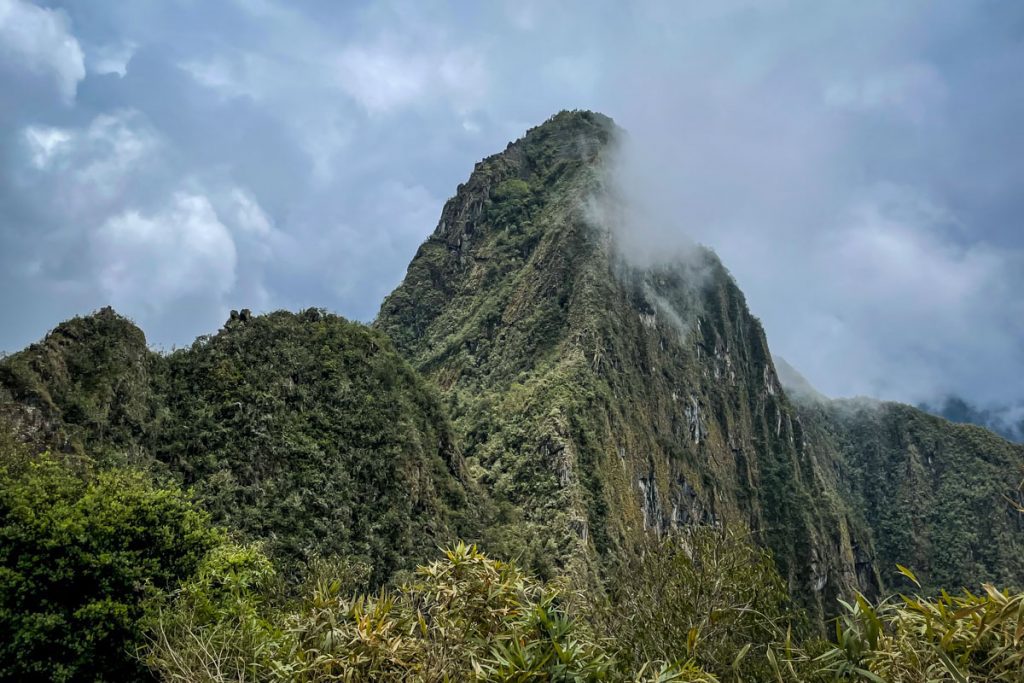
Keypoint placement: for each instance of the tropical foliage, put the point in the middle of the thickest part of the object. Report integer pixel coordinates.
(705, 594)
(966, 637)
(464, 617)
(82, 555)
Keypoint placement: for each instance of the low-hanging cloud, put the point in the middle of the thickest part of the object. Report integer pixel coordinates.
(38, 41)
(834, 184)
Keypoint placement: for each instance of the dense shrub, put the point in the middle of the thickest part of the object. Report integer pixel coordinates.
(961, 638)
(464, 617)
(706, 594)
(81, 556)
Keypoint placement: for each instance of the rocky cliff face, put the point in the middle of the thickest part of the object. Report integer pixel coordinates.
(602, 401)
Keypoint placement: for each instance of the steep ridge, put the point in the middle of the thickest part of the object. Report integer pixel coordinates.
(603, 400)
(599, 401)
(304, 430)
(937, 496)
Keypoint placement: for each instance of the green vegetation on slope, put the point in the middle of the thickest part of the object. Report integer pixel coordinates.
(309, 431)
(933, 493)
(599, 401)
(305, 430)
(83, 556)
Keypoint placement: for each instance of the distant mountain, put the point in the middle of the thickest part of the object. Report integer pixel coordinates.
(1008, 422)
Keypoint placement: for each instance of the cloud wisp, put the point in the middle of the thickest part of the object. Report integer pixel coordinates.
(841, 187)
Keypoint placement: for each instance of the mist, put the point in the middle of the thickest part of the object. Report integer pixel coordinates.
(829, 171)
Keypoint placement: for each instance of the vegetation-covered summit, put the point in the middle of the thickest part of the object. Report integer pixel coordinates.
(305, 430)
(602, 400)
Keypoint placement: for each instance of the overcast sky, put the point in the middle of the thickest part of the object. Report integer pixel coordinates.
(857, 165)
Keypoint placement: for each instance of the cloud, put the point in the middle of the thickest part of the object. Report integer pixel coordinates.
(116, 220)
(112, 58)
(912, 312)
(851, 190)
(914, 90)
(87, 170)
(145, 261)
(242, 74)
(40, 41)
(45, 142)
(384, 77)
(249, 216)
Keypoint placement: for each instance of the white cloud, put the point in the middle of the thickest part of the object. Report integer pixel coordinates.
(238, 76)
(44, 143)
(145, 261)
(886, 254)
(912, 90)
(888, 302)
(386, 76)
(91, 167)
(249, 215)
(40, 40)
(111, 59)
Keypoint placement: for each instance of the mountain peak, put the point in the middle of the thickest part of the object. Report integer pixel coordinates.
(578, 123)
(605, 401)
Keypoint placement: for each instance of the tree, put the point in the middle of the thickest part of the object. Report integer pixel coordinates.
(83, 555)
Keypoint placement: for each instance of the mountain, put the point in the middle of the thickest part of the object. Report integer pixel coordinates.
(1006, 421)
(530, 387)
(606, 401)
(603, 400)
(934, 493)
(305, 430)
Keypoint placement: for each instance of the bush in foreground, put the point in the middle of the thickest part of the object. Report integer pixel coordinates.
(464, 617)
(82, 554)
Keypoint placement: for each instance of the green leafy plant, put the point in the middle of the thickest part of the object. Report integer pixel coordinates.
(82, 555)
(463, 617)
(709, 595)
(966, 637)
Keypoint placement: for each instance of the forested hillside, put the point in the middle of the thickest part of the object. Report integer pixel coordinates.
(302, 429)
(640, 498)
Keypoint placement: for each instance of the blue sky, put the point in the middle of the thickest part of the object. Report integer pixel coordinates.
(857, 166)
